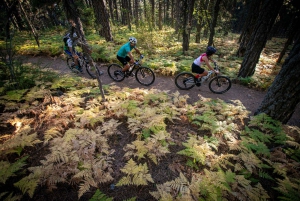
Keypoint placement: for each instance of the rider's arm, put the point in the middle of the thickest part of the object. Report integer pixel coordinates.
(137, 50)
(131, 57)
(206, 59)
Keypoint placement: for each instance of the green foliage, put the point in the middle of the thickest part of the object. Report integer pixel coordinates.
(99, 196)
(8, 170)
(289, 188)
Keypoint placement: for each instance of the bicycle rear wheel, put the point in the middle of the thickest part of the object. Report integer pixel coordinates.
(185, 80)
(115, 72)
(145, 76)
(71, 65)
(220, 84)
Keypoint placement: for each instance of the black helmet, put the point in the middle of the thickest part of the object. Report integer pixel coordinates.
(210, 50)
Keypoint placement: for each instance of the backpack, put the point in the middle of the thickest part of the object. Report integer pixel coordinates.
(65, 38)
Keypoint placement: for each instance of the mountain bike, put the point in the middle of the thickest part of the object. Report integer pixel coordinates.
(218, 84)
(144, 75)
(83, 64)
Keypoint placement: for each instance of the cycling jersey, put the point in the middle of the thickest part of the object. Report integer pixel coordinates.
(124, 50)
(200, 60)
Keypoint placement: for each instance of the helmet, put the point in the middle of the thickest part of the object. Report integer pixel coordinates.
(133, 40)
(211, 50)
(74, 35)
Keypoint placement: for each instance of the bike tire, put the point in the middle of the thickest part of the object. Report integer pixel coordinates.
(91, 70)
(185, 81)
(220, 84)
(145, 76)
(71, 65)
(114, 70)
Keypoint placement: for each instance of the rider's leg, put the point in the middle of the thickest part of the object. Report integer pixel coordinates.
(200, 71)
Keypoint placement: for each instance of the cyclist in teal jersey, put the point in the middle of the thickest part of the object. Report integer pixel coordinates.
(124, 54)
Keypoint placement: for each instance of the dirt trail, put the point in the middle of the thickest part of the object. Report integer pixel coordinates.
(250, 98)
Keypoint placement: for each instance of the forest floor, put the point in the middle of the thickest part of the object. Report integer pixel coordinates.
(250, 98)
(168, 168)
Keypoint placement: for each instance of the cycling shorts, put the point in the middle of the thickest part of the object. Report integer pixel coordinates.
(123, 60)
(70, 54)
(197, 69)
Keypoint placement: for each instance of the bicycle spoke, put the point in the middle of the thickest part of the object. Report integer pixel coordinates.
(145, 76)
(220, 84)
(115, 72)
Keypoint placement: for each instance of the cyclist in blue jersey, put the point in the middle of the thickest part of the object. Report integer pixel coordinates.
(124, 54)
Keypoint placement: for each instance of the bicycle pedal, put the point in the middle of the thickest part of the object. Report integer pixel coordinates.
(198, 84)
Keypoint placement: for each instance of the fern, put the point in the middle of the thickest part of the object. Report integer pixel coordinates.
(8, 170)
(22, 139)
(289, 189)
(28, 184)
(199, 150)
(99, 196)
(136, 174)
(177, 189)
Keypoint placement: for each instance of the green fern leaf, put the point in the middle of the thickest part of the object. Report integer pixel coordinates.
(8, 170)
(99, 196)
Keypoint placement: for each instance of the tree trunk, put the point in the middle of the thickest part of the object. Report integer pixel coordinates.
(258, 39)
(293, 29)
(34, 32)
(187, 13)
(152, 2)
(72, 13)
(284, 94)
(160, 14)
(214, 22)
(102, 19)
(136, 12)
(253, 8)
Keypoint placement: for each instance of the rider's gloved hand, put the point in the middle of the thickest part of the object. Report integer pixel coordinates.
(142, 56)
(216, 71)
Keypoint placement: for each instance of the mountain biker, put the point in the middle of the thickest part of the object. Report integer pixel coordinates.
(204, 59)
(71, 40)
(124, 54)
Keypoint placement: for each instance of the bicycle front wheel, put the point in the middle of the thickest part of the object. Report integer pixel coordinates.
(115, 72)
(145, 76)
(220, 84)
(185, 80)
(91, 70)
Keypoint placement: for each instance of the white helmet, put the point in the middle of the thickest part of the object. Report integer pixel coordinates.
(74, 35)
(133, 40)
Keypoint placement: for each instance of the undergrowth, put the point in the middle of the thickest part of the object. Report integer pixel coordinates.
(227, 155)
(162, 51)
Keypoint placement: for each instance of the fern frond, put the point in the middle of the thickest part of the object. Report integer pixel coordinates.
(289, 188)
(28, 184)
(85, 186)
(99, 196)
(136, 174)
(8, 170)
(50, 134)
(22, 139)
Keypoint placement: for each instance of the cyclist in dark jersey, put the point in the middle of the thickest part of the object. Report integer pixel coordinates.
(71, 40)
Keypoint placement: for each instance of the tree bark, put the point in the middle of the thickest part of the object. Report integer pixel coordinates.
(187, 13)
(253, 8)
(34, 32)
(102, 19)
(284, 94)
(258, 39)
(214, 22)
(294, 28)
